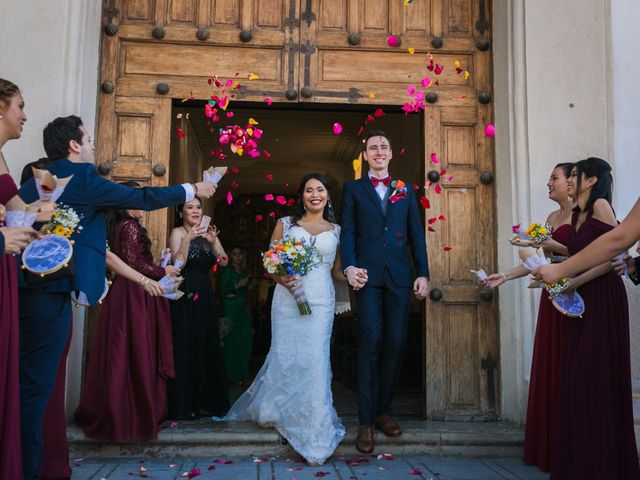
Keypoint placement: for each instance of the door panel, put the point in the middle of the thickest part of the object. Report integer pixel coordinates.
(462, 329)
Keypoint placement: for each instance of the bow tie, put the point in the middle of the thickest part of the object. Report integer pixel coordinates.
(377, 181)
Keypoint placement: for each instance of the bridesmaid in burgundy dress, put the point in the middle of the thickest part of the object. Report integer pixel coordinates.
(124, 394)
(549, 343)
(594, 436)
(12, 117)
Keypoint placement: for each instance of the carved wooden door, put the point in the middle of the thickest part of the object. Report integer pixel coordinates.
(328, 52)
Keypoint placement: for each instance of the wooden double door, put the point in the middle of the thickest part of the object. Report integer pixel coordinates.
(333, 52)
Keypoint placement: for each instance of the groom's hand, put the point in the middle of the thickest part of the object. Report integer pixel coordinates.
(357, 277)
(421, 287)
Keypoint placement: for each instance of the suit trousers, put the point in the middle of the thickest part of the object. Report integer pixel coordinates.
(383, 319)
(45, 319)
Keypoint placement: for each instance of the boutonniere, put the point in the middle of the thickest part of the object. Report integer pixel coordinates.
(399, 191)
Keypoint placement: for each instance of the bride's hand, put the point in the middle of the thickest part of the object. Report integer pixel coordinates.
(287, 281)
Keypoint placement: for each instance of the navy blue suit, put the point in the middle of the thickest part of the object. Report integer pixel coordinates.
(378, 235)
(45, 310)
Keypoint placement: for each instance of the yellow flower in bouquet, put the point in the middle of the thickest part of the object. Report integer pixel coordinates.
(538, 233)
(64, 222)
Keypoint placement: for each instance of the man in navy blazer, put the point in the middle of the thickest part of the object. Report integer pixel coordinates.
(45, 310)
(381, 224)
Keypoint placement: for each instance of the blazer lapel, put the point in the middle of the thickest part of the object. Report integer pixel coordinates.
(375, 198)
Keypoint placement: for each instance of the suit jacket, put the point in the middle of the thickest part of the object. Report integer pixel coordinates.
(90, 195)
(376, 239)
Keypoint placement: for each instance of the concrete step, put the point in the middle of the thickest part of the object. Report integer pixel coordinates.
(205, 438)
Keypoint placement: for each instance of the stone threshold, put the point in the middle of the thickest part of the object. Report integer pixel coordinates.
(202, 439)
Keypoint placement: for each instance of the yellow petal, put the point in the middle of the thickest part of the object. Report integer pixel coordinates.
(371, 95)
(466, 74)
(411, 50)
(252, 121)
(253, 76)
(456, 64)
(356, 165)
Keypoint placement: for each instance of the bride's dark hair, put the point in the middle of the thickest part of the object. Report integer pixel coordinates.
(328, 213)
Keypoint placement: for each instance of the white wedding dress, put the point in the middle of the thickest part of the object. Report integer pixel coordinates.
(292, 391)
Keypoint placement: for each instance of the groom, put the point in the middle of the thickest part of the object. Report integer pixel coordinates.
(380, 224)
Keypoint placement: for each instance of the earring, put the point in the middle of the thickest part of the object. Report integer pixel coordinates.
(330, 205)
(304, 205)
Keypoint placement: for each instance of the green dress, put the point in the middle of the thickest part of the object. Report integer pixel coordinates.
(238, 341)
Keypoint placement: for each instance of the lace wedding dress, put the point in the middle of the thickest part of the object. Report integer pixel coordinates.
(292, 391)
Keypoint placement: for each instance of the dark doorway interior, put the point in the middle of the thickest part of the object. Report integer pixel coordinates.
(300, 139)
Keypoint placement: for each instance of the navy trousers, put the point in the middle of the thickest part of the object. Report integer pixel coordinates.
(383, 318)
(45, 319)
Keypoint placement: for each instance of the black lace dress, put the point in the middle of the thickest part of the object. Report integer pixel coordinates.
(200, 385)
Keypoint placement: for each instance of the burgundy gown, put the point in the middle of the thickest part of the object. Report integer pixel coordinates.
(10, 455)
(124, 395)
(594, 436)
(548, 351)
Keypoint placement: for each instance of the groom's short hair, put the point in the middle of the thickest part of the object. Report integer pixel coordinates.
(374, 133)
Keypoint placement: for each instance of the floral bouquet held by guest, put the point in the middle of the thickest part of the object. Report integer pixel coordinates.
(292, 257)
(568, 302)
(535, 234)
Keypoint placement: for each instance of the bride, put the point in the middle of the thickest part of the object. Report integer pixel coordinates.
(292, 391)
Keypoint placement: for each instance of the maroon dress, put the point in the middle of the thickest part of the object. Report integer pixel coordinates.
(548, 351)
(594, 436)
(124, 395)
(10, 456)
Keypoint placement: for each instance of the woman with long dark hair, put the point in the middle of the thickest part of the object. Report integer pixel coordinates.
(124, 394)
(200, 385)
(549, 344)
(292, 391)
(594, 434)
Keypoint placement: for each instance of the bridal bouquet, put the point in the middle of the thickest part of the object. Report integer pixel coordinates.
(293, 257)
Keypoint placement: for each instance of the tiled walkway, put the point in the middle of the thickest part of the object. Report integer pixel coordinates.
(379, 467)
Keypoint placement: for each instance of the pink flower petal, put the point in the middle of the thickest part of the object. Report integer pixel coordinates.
(447, 249)
(411, 90)
(426, 81)
(415, 472)
(268, 101)
(438, 189)
(269, 176)
(229, 198)
(434, 158)
(490, 130)
(268, 197)
(337, 128)
(393, 41)
(280, 200)
(272, 214)
(180, 132)
(259, 218)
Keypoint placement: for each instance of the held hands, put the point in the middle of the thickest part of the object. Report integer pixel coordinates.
(17, 238)
(205, 190)
(421, 287)
(196, 231)
(357, 277)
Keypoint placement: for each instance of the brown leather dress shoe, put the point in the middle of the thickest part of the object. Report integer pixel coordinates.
(365, 442)
(388, 426)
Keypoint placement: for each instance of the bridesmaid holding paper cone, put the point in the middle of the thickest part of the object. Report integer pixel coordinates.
(548, 348)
